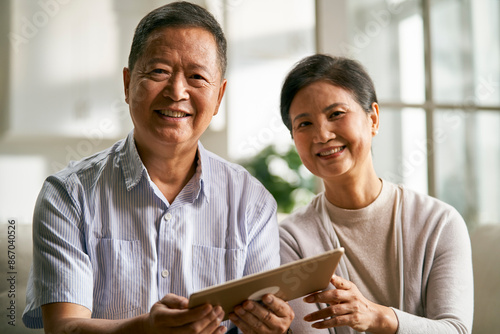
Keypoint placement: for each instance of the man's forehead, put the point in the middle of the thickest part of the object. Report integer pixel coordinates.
(197, 42)
(189, 37)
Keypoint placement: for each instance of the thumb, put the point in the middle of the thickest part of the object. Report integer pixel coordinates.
(339, 282)
(174, 301)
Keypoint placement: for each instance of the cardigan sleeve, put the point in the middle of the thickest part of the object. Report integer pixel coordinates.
(290, 251)
(447, 285)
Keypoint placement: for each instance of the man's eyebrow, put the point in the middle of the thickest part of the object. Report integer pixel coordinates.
(199, 67)
(157, 60)
(165, 61)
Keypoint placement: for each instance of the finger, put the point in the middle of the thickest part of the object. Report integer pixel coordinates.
(163, 316)
(332, 322)
(333, 296)
(210, 324)
(341, 283)
(312, 297)
(330, 311)
(246, 319)
(278, 306)
(220, 330)
(256, 310)
(242, 325)
(263, 314)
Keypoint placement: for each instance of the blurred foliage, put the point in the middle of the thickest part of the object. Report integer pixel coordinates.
(284, 175)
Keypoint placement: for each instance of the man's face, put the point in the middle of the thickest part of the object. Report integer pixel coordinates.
(174, 89)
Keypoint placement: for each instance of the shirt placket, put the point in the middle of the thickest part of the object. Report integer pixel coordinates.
(165, 262)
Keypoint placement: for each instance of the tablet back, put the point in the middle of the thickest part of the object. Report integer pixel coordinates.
(289, 281)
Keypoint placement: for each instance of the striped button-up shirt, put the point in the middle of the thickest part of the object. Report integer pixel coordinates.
(106, 238)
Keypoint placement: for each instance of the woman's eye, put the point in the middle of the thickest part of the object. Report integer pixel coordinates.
(301, 125)
(337, 113)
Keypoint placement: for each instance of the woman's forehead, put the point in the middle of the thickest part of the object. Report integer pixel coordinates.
(321, 93)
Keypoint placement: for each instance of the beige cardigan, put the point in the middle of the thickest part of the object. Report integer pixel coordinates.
(438, 282)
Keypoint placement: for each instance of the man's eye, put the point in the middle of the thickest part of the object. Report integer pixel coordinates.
(197, 77)
(158, 71)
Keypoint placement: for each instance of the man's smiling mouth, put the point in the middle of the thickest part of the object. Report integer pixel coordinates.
(171, 113)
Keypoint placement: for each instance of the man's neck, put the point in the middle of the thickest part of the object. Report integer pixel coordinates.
(171, 169)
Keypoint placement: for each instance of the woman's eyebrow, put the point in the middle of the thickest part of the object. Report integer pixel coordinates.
(326, 109)
(304, 114)
(334, 105)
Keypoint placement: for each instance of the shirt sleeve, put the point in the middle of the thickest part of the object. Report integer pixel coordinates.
(61, 270)
(263, 235)
(448, 298)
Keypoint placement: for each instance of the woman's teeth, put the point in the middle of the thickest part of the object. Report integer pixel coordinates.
(332, 151)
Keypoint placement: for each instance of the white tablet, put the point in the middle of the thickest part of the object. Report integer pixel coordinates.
(290, 281)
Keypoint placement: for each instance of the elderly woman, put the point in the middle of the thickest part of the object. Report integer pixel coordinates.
(407, 265)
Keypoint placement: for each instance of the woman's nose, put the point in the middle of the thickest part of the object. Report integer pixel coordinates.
(324, 133)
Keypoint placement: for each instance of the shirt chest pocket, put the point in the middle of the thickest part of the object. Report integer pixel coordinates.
(117, 279)
(212, 265)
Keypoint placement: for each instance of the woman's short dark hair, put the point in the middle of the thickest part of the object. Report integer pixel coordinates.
(343, 72)
(178, 14)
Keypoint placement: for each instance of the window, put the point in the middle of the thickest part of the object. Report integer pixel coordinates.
(265, 39)
(436, 67)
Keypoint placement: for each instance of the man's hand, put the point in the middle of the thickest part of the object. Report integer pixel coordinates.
(348, 307)
(171, 315)
(275, 316)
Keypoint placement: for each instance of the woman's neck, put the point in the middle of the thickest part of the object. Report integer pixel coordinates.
(353, 192)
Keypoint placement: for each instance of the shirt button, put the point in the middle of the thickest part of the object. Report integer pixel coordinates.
(164, 273)
(168, 216)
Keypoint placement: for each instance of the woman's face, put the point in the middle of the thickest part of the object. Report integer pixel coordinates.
(332, 133)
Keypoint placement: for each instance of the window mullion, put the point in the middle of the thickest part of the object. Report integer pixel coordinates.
(429, 99)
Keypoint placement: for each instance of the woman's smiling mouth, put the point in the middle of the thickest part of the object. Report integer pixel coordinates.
(331, 151)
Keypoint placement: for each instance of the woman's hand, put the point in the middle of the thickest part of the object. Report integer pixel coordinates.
(274, 317)
(348, 307)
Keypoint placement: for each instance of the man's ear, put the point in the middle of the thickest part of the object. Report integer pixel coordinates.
(222, 90)
(126, 82)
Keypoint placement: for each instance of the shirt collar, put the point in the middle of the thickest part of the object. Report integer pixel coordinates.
(131, 162)
(134, 169)
(204, 171)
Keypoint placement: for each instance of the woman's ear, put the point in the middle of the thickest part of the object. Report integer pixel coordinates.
(374, 117)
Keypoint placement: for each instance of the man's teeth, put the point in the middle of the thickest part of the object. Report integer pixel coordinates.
(171, 113)
(332, 151)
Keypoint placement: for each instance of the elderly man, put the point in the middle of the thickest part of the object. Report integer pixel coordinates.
(123, 237)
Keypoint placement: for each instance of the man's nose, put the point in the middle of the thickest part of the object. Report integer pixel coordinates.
(176, 88)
